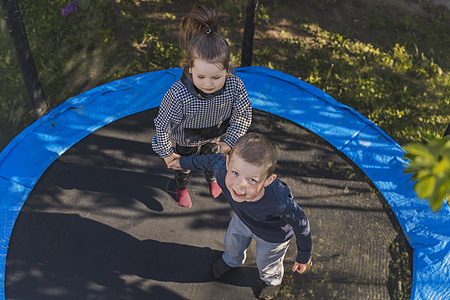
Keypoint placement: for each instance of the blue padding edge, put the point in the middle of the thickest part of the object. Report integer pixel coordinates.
(31, 152)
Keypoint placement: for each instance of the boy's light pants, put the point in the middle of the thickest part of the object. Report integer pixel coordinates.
(269, 256)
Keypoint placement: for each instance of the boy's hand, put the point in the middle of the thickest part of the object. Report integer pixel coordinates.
(170, 159)
(302, 268)
(175, 164)
(224, 148)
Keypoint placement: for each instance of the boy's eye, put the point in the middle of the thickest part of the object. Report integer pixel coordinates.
(234, 173)
(216, 78)
(252, 180)
(200, 77)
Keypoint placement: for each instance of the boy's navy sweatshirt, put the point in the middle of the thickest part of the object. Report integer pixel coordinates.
(274, 218)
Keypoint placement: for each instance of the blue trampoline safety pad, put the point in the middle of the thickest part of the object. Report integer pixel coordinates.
(25, 159)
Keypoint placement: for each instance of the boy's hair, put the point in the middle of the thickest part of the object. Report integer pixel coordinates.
(258, 150)
(199, 36)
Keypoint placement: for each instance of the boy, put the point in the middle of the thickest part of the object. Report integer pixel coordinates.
(264, 210)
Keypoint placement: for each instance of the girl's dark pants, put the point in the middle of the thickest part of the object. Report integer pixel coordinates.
(182, 177)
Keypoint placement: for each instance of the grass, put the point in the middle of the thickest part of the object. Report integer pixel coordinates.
(80, 51)
(399, 85)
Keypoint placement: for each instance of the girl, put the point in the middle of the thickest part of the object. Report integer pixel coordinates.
(208, 109)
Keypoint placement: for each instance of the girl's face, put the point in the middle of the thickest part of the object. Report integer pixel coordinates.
(207, 77)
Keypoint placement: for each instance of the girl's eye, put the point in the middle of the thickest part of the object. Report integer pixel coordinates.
(200, 77)
(252, 180)
(216, 78)
(235, 173)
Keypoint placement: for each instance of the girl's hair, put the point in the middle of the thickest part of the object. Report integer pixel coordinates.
(258, 150)
(199, 36)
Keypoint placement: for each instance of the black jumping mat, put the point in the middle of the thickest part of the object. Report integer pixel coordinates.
(102, 223)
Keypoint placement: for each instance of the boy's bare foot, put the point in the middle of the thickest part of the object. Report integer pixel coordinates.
(183, 198)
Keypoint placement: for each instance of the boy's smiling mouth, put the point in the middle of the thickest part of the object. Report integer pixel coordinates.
(237, 194)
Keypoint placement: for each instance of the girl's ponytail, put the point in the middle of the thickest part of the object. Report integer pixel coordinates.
(199, 36)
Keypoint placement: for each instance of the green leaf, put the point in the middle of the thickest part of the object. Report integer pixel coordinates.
(409, 156)
(442, 189)
(442, 167)
(424, 187)
(412, 169)
(419, 151)
(423, 173)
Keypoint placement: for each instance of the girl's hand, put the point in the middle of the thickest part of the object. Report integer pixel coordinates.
(224, 148)
(170, 158)
(302, 268)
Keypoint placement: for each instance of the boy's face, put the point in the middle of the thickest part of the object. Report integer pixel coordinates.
(207, 77)
(244, 181)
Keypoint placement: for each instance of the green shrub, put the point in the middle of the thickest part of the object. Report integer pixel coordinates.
(430, 165)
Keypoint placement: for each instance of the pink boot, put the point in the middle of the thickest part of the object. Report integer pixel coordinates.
(183, 198)
(214, 189)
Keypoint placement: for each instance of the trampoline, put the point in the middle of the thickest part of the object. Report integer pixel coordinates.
(88, 210)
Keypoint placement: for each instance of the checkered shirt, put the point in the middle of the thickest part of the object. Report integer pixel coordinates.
(181, 109)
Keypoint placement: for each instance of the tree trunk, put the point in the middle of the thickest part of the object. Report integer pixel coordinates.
(21, 47)
(249, 30)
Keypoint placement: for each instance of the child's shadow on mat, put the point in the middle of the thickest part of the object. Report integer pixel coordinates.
(76, 251)
(119, 185)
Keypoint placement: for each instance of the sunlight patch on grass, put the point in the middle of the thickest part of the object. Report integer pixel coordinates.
(384, 86)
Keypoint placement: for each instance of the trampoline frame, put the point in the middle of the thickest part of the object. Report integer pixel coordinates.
(30, 153)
